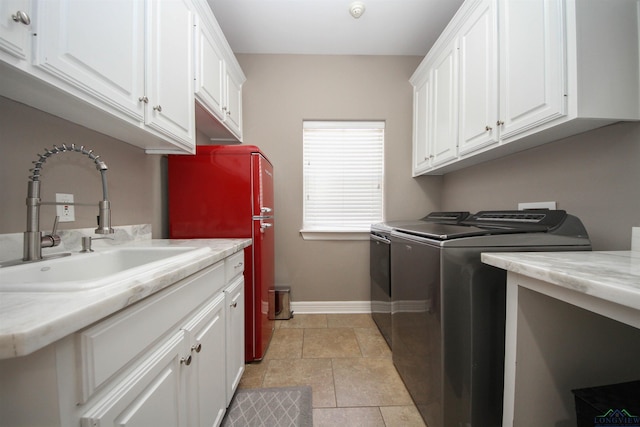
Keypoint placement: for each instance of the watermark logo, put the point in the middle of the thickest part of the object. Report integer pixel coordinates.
(615, 418)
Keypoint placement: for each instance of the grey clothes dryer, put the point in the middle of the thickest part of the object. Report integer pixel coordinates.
(448, 308)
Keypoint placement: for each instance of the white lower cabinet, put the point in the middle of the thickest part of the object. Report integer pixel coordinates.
(150, 395)
(234, 304)
(206, 364)
(173, 359)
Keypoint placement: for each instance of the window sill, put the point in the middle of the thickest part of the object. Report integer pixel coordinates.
(334, 235)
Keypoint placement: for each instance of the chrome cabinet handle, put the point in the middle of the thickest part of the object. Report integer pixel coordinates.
(144, 99)
(234, 305)
(499, 123)
(266, 210)
(21, 17)
(197, 348)
(488, 128)
(158, 108)
(186, 361)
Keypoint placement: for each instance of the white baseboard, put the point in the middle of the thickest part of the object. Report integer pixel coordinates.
(330, 307)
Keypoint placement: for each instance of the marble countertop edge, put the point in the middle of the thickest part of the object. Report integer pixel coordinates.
(612, 276)
(31, 320)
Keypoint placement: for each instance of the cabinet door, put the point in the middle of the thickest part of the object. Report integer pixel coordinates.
(206, 372)
(15, 29)
(532, 64)
(479, 79)
(445, 106)
(169, 76)
(234, 105)
(151, 395)
(97, 47)
(234, 302)
(210, 73)
(421, 125)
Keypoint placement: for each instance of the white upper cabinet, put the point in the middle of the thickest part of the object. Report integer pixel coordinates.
(421, 124)
(131, 56)
(219, 80)
(234, 102)
(479, 79)
(532, 66)
(15, 28)
(170, 107)
(444, 89)
(125, 68)
(530, 72)
(210, 73)
(78, 43)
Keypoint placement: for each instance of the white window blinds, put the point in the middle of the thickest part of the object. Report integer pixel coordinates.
(343, 175)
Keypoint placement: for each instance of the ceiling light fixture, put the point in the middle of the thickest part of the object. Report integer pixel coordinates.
(356, 9)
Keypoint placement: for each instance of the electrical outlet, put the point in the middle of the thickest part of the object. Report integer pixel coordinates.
(537, 205)
(66, 210)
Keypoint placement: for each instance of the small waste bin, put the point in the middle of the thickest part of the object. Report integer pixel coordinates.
(283, 304)
(608, 404)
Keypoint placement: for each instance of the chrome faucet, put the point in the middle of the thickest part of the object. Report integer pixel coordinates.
(34, 241)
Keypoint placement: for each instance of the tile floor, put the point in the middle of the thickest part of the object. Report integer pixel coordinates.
(346, 361)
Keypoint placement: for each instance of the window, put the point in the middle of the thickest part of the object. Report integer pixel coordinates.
(343, 178)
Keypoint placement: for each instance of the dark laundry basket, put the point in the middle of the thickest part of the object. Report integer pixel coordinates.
(609, 405)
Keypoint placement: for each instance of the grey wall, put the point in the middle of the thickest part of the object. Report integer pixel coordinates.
(135, 184)
(594, 175)
(283, 90)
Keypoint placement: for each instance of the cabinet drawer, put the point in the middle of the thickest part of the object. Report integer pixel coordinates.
(234, 266)
(106, 348)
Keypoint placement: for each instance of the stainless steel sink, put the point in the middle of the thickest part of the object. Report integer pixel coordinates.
(89, 271)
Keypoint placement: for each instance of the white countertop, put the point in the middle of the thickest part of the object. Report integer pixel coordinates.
(31, 320)
(610, 276)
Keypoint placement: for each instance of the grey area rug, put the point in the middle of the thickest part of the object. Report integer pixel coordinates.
(270, 407)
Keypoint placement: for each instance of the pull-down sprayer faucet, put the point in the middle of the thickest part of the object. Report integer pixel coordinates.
(34, 241)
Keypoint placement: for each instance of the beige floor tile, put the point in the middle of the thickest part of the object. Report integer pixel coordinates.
(305, 321)
(350, 321)
(285, 344)
(330, 342)
(401, 416)
(368, 382)
(253, 375)
(347, 417)
(372, 343)
(294, 372)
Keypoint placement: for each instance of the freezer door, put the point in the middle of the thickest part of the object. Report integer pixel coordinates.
(262, 176)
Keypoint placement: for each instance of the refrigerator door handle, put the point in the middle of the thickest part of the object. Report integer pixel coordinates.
(265, 210)
(265, 225)
(262, 217)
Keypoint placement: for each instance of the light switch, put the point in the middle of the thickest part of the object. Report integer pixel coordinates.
(65, 210)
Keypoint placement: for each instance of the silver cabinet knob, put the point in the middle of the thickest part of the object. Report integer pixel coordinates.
(21, 17)
(234, 305)
(158, 108)
(197, 348)
(144, 99)
(499, 123)
(488, 128)
(186, 361)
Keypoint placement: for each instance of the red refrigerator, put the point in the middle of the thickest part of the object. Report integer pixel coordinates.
(226, 191)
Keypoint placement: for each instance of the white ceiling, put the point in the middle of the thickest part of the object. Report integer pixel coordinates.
(387, 27)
